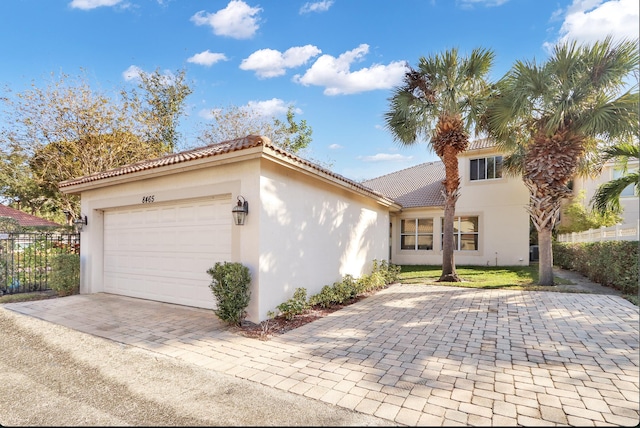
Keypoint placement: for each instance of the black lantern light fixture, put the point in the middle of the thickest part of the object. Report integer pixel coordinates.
(80, 222)
(240, 211)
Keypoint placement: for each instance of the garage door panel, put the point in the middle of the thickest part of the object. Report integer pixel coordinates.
(163, 252)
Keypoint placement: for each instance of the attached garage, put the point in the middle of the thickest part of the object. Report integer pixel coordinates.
(156, 227)
(162, 251)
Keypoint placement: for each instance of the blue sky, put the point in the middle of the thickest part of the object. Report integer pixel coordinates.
(335, 61)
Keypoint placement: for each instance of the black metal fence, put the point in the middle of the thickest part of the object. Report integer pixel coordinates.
(25, 259)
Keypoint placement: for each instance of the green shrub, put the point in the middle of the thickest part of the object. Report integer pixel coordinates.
(65, 274)
(325, 298)
(610, 263)
(296, 305)
(230, 286)
(389, 271)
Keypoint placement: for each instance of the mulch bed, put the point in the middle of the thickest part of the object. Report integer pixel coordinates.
(279, 325)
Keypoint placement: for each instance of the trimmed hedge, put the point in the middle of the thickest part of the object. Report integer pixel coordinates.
(610, 263)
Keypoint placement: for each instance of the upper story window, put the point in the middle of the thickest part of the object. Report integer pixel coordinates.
(485, 168)
(416, 234)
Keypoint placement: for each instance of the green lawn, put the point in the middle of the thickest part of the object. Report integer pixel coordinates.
(507, 277)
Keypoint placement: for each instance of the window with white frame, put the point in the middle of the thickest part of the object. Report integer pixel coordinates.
(465, 233)
(416, 234)
(488, 168)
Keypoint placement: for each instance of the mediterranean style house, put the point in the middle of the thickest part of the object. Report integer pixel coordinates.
(152, 229)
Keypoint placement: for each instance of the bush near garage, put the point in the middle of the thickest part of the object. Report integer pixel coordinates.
(65, 274)
(610, 263)
(230, 286)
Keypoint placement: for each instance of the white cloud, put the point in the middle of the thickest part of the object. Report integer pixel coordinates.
(588, 21)
(132, 73)
(335, 147)
(207, 58)
(319, 6)
(238, 20)
(269, 108)
(272, 63)
(385, 157)
(92, 4)
(337, 78)
(466, 4)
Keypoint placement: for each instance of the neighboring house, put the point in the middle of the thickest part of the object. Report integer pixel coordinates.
(491, 223)
(629, 202)
(155, 227)
(24, 219)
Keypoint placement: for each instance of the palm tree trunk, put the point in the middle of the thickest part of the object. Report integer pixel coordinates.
(545, 266)
(449, 273)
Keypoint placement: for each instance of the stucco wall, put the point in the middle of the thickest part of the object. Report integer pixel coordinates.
(312, 234)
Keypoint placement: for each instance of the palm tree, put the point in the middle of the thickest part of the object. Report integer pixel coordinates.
(440, 102)
(555, 113)
(607, 197)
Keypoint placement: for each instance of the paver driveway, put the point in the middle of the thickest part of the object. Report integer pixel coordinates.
(415, 355)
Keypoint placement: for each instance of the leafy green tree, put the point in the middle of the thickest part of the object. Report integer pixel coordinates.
(237, 122)
(65, 129)
(552, 115)
(607, 197)
(441, 102)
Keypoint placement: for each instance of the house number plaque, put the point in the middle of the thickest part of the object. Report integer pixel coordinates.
(148, 199)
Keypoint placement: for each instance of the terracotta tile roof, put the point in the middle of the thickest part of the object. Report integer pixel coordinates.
(174, 158)
(482, 143)
(418, 186)
(25, 219)
(244, 143)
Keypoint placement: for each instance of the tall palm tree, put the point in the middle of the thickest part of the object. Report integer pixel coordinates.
(440, 102)
(555, 113)
(607, 197)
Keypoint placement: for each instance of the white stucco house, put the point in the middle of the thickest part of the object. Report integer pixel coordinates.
(154, 228)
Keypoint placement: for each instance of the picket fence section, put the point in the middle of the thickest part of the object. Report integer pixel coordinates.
(619, 232)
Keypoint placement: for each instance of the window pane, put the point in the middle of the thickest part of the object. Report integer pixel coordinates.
(408, 226)
(468, 242)
(481, 169)
(468, 224)
(491, 168)
(425, 225)
(498, 166)
(425, 242)
(473, 169)
(407, 242)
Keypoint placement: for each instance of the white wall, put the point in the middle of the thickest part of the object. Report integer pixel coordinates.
(312, 234)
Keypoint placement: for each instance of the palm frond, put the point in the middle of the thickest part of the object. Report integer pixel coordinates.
(607, 197)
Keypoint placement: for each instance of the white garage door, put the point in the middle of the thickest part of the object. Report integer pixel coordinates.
(162, 251)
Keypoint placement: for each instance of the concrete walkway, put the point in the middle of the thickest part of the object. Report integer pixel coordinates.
(414, 355)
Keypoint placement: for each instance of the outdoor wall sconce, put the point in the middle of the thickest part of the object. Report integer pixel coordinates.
(240, 211)
(80, 222)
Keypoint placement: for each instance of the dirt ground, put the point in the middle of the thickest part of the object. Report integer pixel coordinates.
(53, 376)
